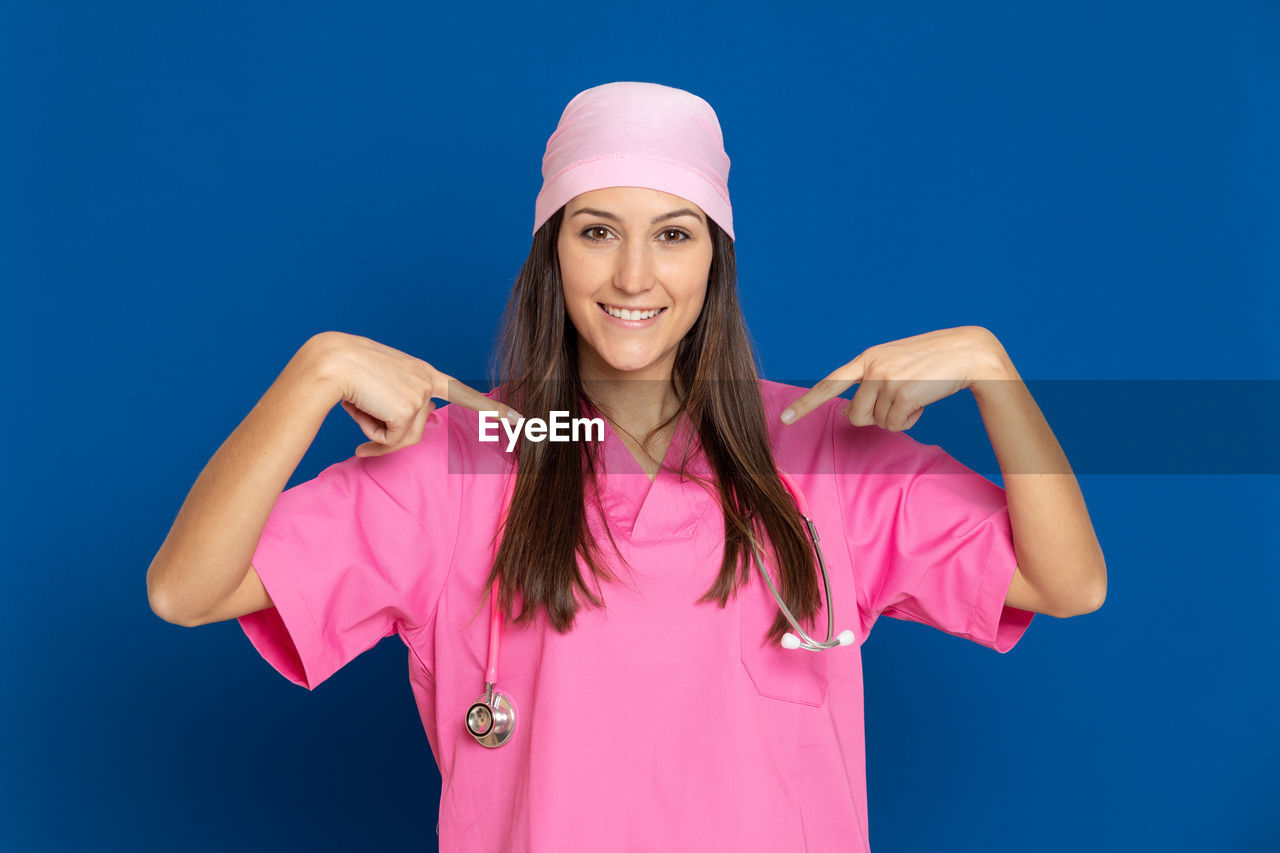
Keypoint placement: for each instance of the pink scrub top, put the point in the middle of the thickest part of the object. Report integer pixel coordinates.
(656, 719)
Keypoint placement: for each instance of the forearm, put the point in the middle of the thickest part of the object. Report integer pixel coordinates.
(208, 550)
(1057, 550)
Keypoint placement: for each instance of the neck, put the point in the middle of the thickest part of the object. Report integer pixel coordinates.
(636, 401)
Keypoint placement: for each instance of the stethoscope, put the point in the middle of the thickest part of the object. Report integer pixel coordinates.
(491, 719)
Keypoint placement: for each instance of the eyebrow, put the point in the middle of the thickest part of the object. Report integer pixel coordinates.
(604, 214)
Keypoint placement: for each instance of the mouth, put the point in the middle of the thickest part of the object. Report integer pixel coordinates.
(631, 315)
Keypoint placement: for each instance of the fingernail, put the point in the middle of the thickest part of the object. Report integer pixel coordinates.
(788, 416)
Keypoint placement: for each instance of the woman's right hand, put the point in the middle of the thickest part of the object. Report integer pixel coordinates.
(389, 393)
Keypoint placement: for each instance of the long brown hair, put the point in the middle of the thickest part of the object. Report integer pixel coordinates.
(717, 384)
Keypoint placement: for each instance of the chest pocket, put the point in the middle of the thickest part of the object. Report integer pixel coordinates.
(791, 675)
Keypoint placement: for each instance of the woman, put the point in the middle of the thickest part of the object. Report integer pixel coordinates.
(604, 670)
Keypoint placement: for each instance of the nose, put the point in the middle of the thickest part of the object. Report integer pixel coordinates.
(634, 273)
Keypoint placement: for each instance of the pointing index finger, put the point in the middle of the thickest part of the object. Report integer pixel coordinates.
(833, 385)
(464, 395)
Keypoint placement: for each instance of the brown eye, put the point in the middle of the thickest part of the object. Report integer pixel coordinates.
(588, 232)
(679, 234)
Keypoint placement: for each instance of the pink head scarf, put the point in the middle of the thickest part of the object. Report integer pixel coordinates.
(637, 135)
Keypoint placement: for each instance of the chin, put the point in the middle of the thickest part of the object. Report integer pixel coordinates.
(625, 364)
(630, 366)
(636, 358)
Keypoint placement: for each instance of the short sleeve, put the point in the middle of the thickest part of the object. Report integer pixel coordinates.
(929, 538)
(355, 555)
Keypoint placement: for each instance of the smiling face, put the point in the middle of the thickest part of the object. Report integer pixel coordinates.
(626, 253)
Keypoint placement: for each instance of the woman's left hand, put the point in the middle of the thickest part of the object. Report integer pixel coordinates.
(896, 380)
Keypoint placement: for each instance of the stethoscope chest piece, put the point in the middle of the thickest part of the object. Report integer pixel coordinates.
(491, 720)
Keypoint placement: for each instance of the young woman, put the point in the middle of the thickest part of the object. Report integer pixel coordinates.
(596, 630)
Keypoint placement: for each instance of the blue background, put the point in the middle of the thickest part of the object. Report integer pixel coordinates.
(189, 192)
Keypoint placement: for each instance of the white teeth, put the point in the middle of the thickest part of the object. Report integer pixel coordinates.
(627, 314)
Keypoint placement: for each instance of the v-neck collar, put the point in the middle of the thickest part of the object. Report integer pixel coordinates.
(643, 510)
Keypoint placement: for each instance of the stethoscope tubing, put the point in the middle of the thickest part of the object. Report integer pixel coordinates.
(504, 711)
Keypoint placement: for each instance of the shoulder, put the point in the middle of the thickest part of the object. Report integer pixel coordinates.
(776, 396)
(813, 428)
(470, 451)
